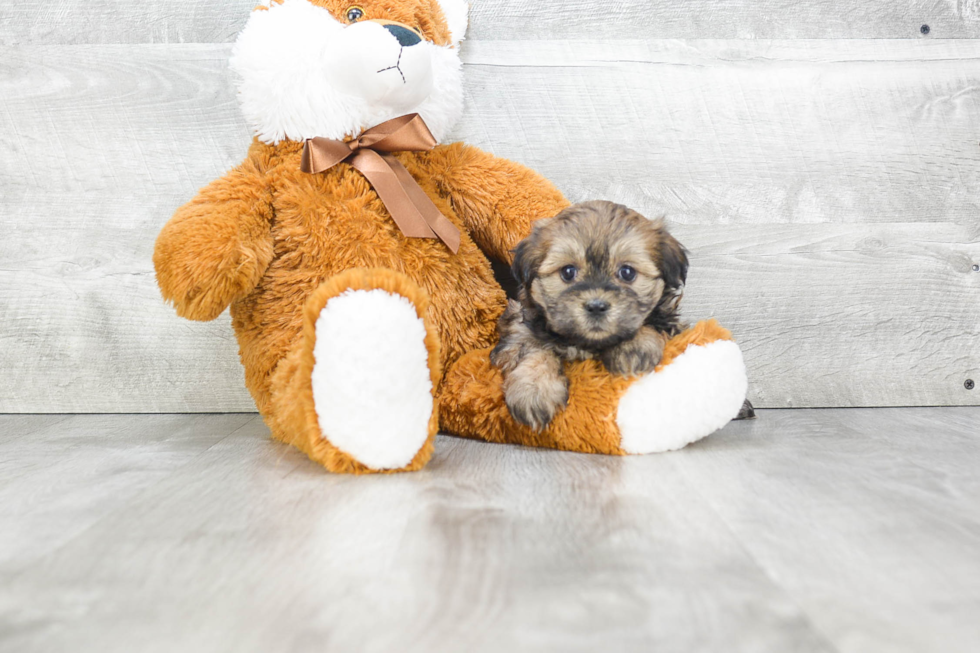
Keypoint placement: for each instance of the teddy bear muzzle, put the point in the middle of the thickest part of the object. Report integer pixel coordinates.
(382, 62)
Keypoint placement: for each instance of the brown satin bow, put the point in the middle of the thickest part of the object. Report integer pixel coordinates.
(370, 154)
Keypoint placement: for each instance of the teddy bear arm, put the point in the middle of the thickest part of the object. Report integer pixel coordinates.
(216, 247)
(498, 199)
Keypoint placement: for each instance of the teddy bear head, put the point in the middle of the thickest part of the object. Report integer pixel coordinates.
(332, 68)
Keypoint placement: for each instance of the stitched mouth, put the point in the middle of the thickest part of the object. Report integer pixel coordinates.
(397, 66)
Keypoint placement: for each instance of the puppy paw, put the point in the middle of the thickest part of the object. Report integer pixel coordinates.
(636, 357)
(631, 362)
(533, 402)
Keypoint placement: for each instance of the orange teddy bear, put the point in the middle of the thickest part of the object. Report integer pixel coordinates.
(351, 246)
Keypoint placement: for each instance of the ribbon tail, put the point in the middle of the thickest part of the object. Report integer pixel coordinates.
(306, 163)
(395, 198)
(437, 222)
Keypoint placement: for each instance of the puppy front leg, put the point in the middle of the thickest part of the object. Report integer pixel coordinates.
(637, 356)
(536, 389)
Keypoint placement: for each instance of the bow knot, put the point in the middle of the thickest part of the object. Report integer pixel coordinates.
(370, 154)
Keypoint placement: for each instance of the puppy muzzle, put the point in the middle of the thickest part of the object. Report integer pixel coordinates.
(600, 319)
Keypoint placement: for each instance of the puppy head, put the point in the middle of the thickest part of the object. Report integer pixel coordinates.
(598, 271)
(332, 68)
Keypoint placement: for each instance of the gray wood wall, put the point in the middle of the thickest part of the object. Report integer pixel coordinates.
(820, 158)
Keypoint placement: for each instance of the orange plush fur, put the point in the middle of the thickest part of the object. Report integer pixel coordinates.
(472, 400)
(237, 234)
(276, 244)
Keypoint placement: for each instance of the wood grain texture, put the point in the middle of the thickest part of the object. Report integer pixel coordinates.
(844, 315)
(62, 22)
(253, 548)
(826, 189)
(99, 147)
(722, 19)
(834, 531)
(865, 516)
(740, 132)
(21, 426)
(199, 21)
(57, 481)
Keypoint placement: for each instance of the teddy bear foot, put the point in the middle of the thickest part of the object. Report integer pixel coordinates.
(371, 385)
(696, 395)
(366, 368)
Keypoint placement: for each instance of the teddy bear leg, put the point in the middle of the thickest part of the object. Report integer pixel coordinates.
(356, 393)
(472, 405)
(698, 388)
(701, 390)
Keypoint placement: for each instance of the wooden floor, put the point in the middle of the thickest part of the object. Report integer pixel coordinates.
(807, 530)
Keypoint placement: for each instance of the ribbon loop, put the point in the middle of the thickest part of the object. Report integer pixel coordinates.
(371, 155)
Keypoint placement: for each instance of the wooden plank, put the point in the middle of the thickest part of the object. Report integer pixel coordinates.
(197, 21)
(844, 315)
(758, 132)
(87, 184)
(740, 132)
(107, 22)
(722, 19)
(821, 530)
(85, 329)
(15, 427)
(250, 547)
(827, 189)
(146, 120)
(868, 518)
(58, 482)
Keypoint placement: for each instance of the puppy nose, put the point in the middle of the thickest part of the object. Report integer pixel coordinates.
(406, 37)
(597, 306)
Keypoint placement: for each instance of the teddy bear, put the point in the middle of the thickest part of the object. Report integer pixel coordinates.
(353, 248)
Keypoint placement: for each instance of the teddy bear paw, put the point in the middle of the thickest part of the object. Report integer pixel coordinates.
(698, 393)
(372, 388)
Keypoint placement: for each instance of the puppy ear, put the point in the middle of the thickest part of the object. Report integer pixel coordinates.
(529, 253)
(523, 267)
(673, 261)
(673, 270)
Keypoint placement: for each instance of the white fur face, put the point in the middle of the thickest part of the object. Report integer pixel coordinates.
(302, 74)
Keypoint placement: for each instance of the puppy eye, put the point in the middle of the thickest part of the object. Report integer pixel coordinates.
(568, 273)
(354, 14)
(627, 273)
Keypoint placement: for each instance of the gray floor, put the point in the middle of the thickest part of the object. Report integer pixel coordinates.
(806, 530)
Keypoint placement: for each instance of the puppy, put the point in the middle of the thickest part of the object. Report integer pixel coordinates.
(598, 280)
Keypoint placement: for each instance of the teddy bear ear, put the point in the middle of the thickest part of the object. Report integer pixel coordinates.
(455, 12)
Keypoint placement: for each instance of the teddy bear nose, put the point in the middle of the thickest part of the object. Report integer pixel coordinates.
(405, 36)
(597, 306)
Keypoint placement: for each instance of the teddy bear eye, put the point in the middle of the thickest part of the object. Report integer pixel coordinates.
(568, 273)
(627, 273)
(354, 14)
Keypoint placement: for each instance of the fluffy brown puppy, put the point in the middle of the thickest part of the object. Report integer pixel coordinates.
(598, 280)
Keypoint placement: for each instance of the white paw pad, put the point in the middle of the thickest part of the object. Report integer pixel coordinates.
(371, 383)
(694, 396)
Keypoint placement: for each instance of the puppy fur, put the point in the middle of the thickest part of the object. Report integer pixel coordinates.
(598, 280)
